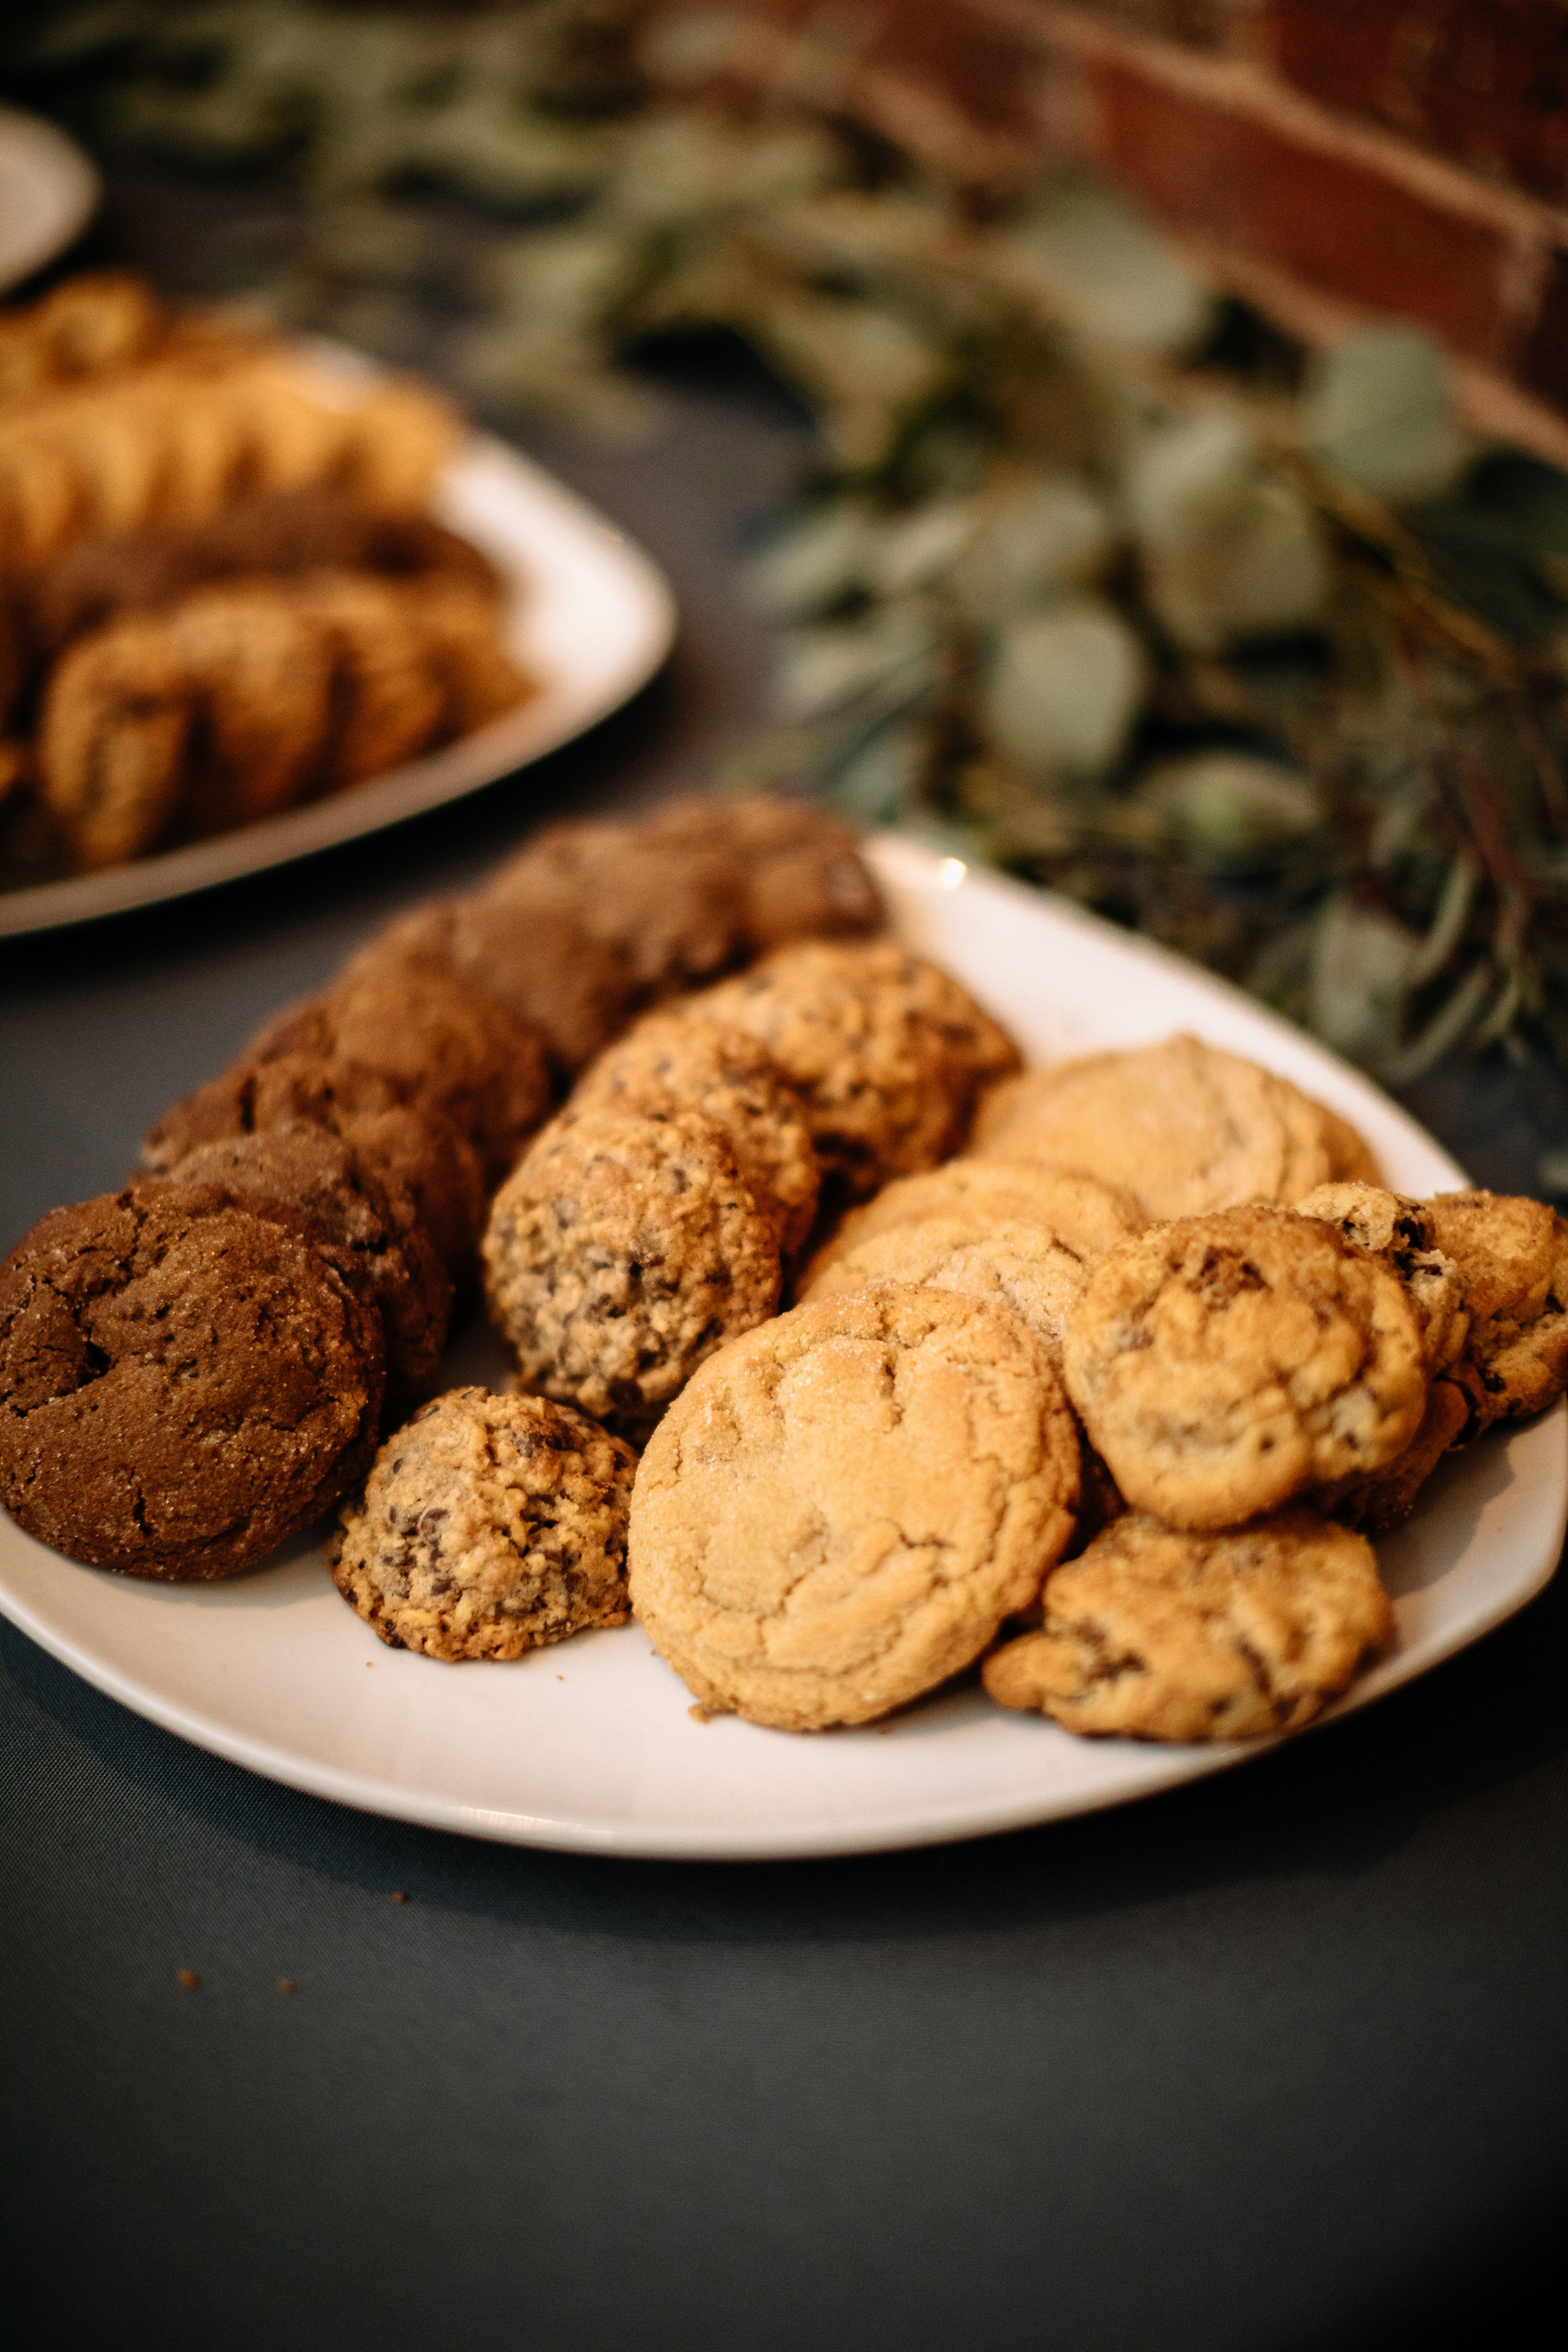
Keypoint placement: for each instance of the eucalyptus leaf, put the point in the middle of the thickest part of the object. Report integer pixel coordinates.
(825, 670)
(1362, 970)
(1064, 687)
(1379, 410)
(818, 562)
(1230, 547)
(1111, 271)
(1231, 811)
(1035, 537)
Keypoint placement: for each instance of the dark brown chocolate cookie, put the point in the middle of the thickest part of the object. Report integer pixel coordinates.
(797, 872)
(183, 1384)
(423, 1157)
(376, 1243)
(668, 908)
(453, 1048)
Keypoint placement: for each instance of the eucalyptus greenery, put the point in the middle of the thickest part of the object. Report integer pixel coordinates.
(1094, 574)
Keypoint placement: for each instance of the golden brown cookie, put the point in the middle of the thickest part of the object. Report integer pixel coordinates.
(1156, 1634)
(887, 1051)
(1184, 1127)
(668, 1064)
(1082, 1211)
(797, 872)
(846, 1504)
(1379, 1503)
(1513, 1257)
(1403, 1233)
(621, 1251)
(1023, 1264)
(1224, 1364)
(112, 744)
(489, 1526)
(183, 1383)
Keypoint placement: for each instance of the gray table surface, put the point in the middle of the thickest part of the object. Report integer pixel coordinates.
(1276, 2061)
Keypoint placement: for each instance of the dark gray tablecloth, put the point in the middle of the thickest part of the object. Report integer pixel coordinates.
(1274, 2062)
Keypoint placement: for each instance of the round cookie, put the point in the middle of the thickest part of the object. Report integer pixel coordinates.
(1156, 1634)
(1402, 1233)
(375, 1243)
(1512, 1255)
(422, 1157)
(1023, 1266)
(666, 1063)
(846, 1504)
(1082, 1211)
(622, 1251)
(488, 1527)
(1224, 1364)
(1184, 1127)
(797, 872)
(452, 1049)
(666, 908)
(887, 1051)
(183, 1383)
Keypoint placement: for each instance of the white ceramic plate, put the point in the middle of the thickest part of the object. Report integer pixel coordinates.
(590, 1745)
(48, 192)
(590, 617)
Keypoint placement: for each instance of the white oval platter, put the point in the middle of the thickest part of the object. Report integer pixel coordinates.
(590, 1745)
(590, 617)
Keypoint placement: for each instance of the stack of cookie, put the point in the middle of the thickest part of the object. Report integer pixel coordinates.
(195, 1367)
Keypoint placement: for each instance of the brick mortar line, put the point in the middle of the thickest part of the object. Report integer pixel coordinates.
(1239, 85)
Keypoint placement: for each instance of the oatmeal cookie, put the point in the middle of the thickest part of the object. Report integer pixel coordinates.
(1156, 1634)
(887, 1051)
(374, 1239)
(422, 1157)
(666, 1063)
(1512, 1255)
(1224, 1364)
(622, 1251)
(452, 1048)
(183, 1383)
(797, 872)
(1079, 1210)
(488, 1527)
(1403, 1233)
(1025, 1266)
(846, 1504)
(1184, 1127)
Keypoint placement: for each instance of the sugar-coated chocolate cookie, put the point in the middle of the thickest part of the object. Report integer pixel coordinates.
(845, 1504)
(183, 1383)
(1153, 1633)
(489, 1526)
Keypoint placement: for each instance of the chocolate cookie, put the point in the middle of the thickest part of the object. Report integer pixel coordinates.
(668, 1064)
(667, 908)
(796, 871)
(183, 1383)
(846, 1504)
(453, 1049)
(375, 1243)
(1223, 1365)
(622, 1251)
(488, 1527)
(423, 1156)
(1156, 1634)
(887, 1053)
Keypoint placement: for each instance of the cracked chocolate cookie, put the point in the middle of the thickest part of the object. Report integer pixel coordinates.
(666, 908)
(1183, 1127)
(183, 1383)
(1156, 1634)
(668, 1064)
(622, 1251)
(887, 1053)
(846, 1504)
(796, 872)
(1224, 1364)
(488, 1527)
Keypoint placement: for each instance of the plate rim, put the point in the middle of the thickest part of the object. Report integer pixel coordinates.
(921, 1821)
(74, 183)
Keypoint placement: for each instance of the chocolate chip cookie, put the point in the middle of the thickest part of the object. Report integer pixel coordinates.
(622, 1251)
(1084, 1213)
(1156, 1634)
(488, 1527)
(1023, 1264)
(183, 1383)
(1224, 1364)
(847, 1502)
(1512, 1255)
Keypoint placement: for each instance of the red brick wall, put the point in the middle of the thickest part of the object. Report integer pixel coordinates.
(1333, 159)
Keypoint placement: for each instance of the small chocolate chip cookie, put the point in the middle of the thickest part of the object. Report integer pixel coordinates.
(184, 1382)
(1223, 1365)
(1156, 1634)
(1402, 1233)
(489, 1526)
(1512, 1255)
(666, 1063)
(622, 1251)
(888, 1051)
(846, 1504)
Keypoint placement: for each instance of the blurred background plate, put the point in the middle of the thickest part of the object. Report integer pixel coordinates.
(591, 618)
(48, 193)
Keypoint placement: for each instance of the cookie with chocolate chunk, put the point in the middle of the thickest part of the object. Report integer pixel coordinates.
(184, 1382)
